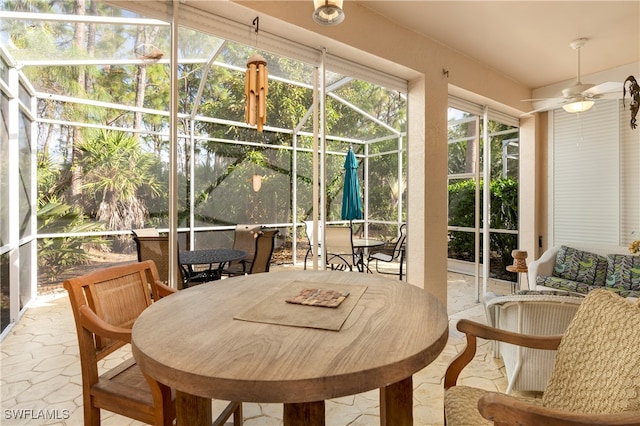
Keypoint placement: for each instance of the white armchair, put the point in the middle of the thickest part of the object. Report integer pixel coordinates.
(536, 313)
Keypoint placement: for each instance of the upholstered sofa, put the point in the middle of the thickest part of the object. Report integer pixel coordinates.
(582, 268)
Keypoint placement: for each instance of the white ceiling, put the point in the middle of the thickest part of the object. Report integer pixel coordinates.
(526, 40)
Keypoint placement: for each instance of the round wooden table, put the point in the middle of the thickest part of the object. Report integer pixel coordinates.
(191, 342)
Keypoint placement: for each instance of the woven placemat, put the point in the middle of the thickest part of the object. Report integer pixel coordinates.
(276, 310)
(319, 297)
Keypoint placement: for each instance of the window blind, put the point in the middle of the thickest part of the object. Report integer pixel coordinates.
(585, 184)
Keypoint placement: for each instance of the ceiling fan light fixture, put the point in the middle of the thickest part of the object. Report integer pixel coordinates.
(579, 106)
(328, 12)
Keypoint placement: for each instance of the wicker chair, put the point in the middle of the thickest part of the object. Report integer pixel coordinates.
(105, 304)
(264, 243)
(535, 313)
(595, 379)
(339, 253)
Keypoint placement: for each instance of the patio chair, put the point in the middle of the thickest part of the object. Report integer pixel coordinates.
(105, 305)
(264, 243)
(595, 378)
(244, 238)
(146, 232)
(339, 253)
(308, 225)
(393, 252)
(535, 313)
(157, 250)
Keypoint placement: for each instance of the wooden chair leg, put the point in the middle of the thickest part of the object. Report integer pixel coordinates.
(235, 409)
(237, 415)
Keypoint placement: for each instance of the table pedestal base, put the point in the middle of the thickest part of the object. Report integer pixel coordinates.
(396, 403)
(396, 408)
(192, 410)
(304, 413)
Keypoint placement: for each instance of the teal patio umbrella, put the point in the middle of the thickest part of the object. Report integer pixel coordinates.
(351, 204)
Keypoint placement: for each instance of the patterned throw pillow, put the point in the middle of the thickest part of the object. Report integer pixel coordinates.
(580, 266)
(623, 272)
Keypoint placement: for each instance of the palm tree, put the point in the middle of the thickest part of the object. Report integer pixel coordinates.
(117, 173)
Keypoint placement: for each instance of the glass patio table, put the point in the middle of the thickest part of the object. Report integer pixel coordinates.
(360, 245)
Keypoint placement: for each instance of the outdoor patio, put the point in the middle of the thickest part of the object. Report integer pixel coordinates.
(40, 376)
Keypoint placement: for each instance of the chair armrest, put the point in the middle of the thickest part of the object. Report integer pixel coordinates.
(97, 325)
(473, 330)
(163, 290)
(503, 410)
(542, 266)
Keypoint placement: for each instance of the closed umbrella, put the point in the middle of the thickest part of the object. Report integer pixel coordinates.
(351, 204)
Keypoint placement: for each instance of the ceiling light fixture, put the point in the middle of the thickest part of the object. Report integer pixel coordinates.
(579, 106)
(328, 12)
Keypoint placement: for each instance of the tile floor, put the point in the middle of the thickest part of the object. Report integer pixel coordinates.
(41, 385)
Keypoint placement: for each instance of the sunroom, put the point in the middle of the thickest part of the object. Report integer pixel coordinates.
(373, 105)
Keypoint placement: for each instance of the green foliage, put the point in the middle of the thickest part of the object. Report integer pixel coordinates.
(117, 173)
(504, 215)
(57, 254)
(114, 163)
(121, 180)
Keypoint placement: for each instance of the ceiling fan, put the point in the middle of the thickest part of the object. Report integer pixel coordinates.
(580, 96)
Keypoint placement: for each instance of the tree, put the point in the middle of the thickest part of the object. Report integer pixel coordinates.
(117, 174)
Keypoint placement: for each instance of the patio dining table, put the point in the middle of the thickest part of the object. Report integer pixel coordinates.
(360, 245)
(244, 342)
(214, 258)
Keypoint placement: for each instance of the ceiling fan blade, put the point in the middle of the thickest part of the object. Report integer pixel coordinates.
(611, 95)
(542, 99)
(607, 87)
(546, 105)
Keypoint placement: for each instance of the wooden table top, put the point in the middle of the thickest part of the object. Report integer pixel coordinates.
(191, 342)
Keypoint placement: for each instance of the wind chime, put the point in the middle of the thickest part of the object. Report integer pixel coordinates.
(256, 89)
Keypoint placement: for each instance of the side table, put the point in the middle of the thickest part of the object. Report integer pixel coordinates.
(519, 266)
